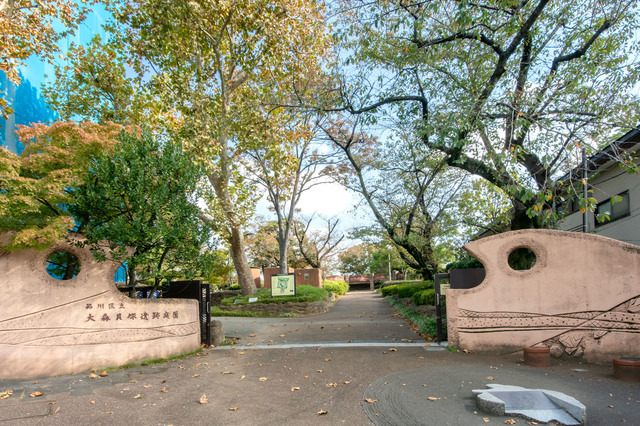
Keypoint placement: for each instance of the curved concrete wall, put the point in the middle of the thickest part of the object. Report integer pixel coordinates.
(50, 327)
(581, 298)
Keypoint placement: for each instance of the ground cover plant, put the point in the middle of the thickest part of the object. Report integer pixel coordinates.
(406, 290)
(304, 293)
(426, 325)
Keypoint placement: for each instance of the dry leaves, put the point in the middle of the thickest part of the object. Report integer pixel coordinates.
(92, 402)
(327, 359)
(35, 394)
(510, 422)
(393, 350)
(295, 388)
(252, 335)
(263, 379)
(370, 400)
(490, 378)
(322, 412)
(138, 396)
(93, 376)
(204, 399)
(6, 394)
(433, 398)
(332, 385)
(234, 408)
(226, 372)
(163, 390)
(103, 374)
(486, 419)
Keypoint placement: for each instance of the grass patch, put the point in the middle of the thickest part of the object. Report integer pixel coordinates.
(150, 362)
(426, 325)
(217, 312)
(304, 294)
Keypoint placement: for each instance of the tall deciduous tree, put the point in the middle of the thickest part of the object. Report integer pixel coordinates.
(505, 90)
(34, 28)
(285, 184)
(216, 64)
(408, 195)
(317, 245)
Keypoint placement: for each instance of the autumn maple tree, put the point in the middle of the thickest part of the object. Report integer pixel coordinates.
(36, 184)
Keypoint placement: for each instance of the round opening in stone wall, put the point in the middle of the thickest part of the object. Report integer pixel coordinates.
(522, 259)
(63, 265)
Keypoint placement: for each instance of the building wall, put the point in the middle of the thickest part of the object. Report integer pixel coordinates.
(309, 276)
(605, 185)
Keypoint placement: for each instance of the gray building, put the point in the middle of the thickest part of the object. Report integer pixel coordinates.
(617, 192)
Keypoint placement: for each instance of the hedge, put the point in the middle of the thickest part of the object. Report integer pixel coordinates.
(406, 290)
(339, 288)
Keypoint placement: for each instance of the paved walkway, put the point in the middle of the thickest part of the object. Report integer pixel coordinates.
(358, 350)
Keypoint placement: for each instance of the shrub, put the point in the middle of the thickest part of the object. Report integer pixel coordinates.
(425, 297)
(338, 288)
(406, 290)
(465, 263)
(304, 293)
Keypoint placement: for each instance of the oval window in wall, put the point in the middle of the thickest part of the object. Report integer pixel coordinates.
(63, 265)
(522, 259)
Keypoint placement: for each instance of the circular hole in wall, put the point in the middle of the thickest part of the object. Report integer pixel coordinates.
(522, 259)
(63, 265)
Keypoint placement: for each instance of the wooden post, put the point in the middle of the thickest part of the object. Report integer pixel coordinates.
(371, 286)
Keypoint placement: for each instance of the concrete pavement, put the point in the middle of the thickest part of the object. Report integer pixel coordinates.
(314, 370)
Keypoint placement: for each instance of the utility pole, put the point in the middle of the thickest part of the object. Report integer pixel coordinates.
(390, 278)
(585, 191)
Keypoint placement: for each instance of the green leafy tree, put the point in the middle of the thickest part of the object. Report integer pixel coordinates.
(141, 197)
(217, 66)
(263, 248)
(505, 90)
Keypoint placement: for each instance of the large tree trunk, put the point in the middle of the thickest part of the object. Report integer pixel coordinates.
(240, 262)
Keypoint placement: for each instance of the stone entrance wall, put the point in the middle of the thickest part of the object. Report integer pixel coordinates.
(581, 298)
(50, 327)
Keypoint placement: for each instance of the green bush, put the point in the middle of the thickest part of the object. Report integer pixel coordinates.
(338, 288)
(304, 293)
(406, 290)
(425, 297)
(464, 263)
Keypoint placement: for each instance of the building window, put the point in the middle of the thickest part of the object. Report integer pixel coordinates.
(613, 209)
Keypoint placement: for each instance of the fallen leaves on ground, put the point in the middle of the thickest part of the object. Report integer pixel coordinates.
(393, 350)
(35, 382)
(263, 379)
(370, 400)
(322, 412)
(327, 359)
(252, 335)
(6, 394)
(486, 419)
(196, 375)
(490, 378)
(510, 422)
(332, 385)
(92, 402)
(234, 408)
(433, 398)
(103, 374)
(138, 396)
(204, 399)
(295, 388)
(35, 394)
(226, 372)
(93, 376)
(163, 390)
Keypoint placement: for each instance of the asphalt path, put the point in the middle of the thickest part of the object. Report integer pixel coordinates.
(358, 364)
